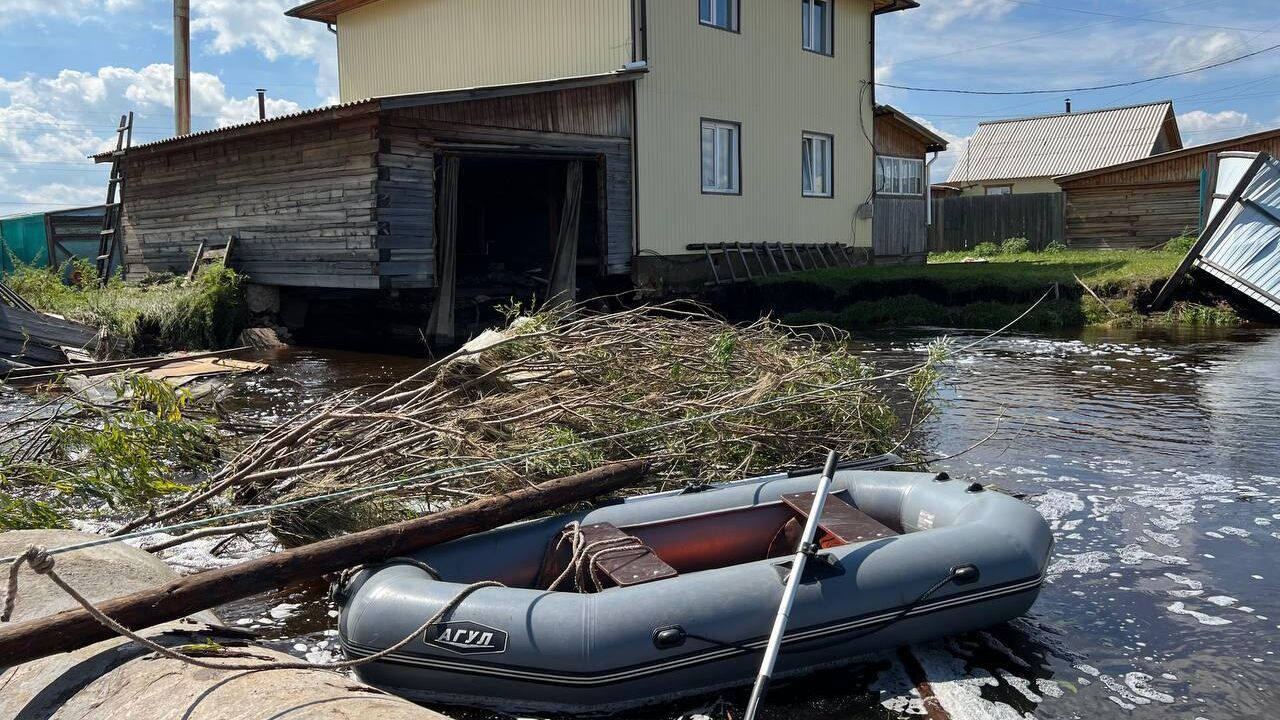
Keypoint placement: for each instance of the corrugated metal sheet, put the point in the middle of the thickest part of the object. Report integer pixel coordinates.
(1243, 249)
(1052, 145)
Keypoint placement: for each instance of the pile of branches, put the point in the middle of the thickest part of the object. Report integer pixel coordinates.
(553, 380)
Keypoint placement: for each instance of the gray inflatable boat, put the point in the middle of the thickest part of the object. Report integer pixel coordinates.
(673, 594)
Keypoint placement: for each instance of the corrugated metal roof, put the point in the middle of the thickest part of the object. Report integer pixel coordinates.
(1051, 145)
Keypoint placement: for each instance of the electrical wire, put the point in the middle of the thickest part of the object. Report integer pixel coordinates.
(1091, 88)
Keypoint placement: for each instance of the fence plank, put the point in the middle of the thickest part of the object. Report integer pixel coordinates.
(960, 223)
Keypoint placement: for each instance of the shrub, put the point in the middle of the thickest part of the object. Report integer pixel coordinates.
(986, 249)
(1015, 245)
(1055, 247)
(1181, 245)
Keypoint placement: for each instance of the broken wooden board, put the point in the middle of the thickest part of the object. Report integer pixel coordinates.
(191, 369)
(34, 338)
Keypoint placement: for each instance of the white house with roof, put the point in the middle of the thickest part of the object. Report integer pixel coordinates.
(1023, 155)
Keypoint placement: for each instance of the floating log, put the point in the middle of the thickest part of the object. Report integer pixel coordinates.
(118, 680)
(73, 629)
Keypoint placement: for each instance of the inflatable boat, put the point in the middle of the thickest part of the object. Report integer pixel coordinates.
(669, 595)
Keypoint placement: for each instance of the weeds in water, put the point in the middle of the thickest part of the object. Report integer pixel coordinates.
(83, 455)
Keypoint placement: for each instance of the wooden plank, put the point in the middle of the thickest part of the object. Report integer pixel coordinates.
(841, 523)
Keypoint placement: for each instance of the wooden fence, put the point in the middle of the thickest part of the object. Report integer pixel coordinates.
(959, 223)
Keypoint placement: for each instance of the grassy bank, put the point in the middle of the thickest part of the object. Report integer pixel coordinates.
(163, 313)
(948, 292)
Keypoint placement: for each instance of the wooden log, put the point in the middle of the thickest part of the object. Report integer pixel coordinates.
(73, 629)
(118, 680)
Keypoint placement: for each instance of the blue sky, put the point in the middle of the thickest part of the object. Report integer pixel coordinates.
(69, 68)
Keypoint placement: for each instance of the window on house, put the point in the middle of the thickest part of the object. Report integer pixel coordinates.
(721, 158)
(999, 189)
(899, 176)
(817, 22)
(815, 165)
(722, 14)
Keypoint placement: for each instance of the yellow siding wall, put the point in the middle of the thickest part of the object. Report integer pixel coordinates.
(763, 79)
(1021, 186)
(394, 47)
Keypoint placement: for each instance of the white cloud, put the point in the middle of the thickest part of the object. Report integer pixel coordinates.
(956, 145)
(79, 10)
(1185, 52)
(231, 25)
(1200, 127)
(941, 13)
(48, 125)
(260, 24)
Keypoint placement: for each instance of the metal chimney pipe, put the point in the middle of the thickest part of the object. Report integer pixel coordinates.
(1068, 105)
(262, 103)
(182, 67)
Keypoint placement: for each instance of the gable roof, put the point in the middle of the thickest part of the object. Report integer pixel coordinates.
(1218, 146)
(933, 142)
(327, 11)
(1065, 143)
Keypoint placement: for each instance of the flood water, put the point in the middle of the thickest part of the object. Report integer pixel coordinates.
(1153, 455)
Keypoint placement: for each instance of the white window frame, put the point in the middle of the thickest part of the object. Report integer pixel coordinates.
(999, 190)
(901, 176)
(808, 31)
(732, 155)
(809, 179)
(712, 20)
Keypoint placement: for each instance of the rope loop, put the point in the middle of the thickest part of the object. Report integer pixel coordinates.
(41, 563)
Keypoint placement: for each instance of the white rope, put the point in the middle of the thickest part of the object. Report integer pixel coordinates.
(42, 563)
(448, 472)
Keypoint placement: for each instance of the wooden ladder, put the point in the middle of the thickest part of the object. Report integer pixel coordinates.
(113, 211)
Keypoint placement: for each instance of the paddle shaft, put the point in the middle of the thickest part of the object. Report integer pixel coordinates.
(793, 587)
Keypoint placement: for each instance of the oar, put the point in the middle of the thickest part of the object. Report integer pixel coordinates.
(793, 586)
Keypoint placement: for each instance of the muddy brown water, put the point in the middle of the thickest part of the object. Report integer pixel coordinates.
(1154, 455)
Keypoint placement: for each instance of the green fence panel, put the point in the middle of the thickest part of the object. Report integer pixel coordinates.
(23, 238)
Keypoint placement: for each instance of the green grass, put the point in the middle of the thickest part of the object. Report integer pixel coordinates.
(951, 293)
(163, 313)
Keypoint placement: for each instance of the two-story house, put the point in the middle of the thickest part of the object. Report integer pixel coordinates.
(536, 140)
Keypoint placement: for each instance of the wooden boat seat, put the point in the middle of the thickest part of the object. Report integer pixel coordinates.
(632, 566)
(840, 524)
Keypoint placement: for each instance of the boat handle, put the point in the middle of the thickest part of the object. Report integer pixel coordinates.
(673, 636)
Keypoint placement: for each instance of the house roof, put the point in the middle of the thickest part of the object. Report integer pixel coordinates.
(933, 141)
(1065, 143)
(1220, 145)
(390, 102)
(327, 11)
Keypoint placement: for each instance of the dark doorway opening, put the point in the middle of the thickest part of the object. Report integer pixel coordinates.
(509, 216)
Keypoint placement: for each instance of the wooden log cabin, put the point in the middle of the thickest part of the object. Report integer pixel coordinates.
(353, 196)
(1146, 202)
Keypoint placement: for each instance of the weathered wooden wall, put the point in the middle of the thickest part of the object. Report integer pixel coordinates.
(300, 201)
(347, 201)
(1134, 216)
(899, 227)
(959, 223)
(893, 139)
(593, 121)
(1145, 204)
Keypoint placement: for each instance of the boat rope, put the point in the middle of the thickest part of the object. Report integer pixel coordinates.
(532, 454)
(584, 557)
(42, 563)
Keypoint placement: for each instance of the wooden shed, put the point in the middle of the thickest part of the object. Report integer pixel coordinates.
(379, 193)
(900, 227)
(1146, 202)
